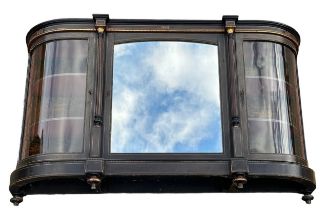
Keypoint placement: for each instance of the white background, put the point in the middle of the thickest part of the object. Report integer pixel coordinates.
(309, 19)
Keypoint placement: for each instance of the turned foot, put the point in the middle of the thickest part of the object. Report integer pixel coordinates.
(307, 198)
(16, 200)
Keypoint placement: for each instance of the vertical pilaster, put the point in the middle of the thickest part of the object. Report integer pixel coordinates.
(239, 165)
(96, 137)
(230, 25)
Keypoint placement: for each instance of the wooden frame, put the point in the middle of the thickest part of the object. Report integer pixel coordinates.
(233, 170)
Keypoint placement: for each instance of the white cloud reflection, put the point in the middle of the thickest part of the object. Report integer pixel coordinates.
(166, 98)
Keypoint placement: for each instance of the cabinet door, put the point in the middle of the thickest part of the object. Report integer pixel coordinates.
(271, 106)
(54, 120)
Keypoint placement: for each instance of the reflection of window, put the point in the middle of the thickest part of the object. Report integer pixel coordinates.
(270, 128)
(55, 107)
(166, 98)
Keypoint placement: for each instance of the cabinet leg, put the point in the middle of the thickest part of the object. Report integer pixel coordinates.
(307, 198)
(16, 199)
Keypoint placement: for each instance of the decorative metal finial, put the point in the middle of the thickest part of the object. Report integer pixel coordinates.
(94, 182)
(239, 181)
(100, 30)
(230, 30)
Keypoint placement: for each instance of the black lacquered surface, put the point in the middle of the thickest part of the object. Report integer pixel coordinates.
(70, 137)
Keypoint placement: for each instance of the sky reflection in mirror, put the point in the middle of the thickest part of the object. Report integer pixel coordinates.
(166, 98)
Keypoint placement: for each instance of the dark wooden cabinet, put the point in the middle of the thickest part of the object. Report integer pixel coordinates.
(162, 106)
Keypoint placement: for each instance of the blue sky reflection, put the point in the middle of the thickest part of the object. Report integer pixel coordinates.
(166, 98)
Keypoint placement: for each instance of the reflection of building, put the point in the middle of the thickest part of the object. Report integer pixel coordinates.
(35, 145)
(269, 125)
(162, 106)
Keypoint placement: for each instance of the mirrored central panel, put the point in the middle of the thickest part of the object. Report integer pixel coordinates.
(166, 98)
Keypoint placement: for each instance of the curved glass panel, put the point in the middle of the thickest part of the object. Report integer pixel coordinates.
(56, 98)
(166, 98)
(270, 93)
